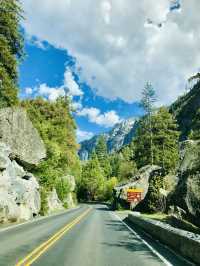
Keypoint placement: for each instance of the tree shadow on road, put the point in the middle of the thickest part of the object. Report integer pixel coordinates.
(128, 241)
(132, 243)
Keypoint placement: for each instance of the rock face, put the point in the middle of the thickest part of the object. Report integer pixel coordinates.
(53, 202)
(17, 131)
(187, 192)
(69, 201)
(120, 135)
(139, 181)
(19, 190)
(189, 155)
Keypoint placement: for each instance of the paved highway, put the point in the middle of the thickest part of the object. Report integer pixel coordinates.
(88, 236)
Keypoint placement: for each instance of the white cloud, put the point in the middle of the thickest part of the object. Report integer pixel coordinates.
(94, 115)
(83, 135)
(110, 41)
(28, 91)
(76, 105)
(71, 84)
(51, 93)
(106, 11)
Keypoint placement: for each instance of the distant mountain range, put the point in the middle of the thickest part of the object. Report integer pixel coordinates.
(120, 135)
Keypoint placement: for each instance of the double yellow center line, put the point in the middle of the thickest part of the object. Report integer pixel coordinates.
(36, 253)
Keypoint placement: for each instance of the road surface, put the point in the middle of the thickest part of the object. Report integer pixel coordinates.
(88, 236)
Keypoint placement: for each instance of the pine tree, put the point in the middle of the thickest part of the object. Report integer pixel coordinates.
(147, 102)
(165, 137)
(11, 50)
(102, 155)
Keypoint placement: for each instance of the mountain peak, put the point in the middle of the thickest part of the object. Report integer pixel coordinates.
(121, 134)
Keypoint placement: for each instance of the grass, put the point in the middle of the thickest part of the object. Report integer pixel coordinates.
(175, 222)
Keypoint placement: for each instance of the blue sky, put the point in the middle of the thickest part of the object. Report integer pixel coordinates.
(102, 52)
(45, 64)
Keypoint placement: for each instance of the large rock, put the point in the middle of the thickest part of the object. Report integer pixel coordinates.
(139, 181)
(187, 192)
(53, 202)
(17, 131)
(189, 155)
(19, 190)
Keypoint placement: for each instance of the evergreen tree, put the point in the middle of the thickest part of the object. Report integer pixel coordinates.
(92, 182)
(165, 138)
(122, 164)
(102, 155)
(147, 102)
(11, 49)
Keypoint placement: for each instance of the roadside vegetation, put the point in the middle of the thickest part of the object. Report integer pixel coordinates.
(53, 120)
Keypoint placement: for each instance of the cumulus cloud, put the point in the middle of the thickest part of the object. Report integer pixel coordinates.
(28, 91)
(111, 42)
(51, 93)
(94, 115)
(83, 135)
(69, 87)
(76, 105)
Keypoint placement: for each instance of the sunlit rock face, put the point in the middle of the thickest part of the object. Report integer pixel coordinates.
(17, 131)
(19, 190)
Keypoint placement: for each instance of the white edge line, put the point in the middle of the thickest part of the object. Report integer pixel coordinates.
(149, 246)
(10, 227)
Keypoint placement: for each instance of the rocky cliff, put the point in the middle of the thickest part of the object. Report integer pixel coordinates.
(17, 131)
(19, 190)
(186, 194)
(120, 135)
(21, 148)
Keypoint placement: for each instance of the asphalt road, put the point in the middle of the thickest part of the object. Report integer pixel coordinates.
(89, 236)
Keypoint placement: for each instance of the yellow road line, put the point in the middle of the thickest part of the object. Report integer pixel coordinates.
(37, 252)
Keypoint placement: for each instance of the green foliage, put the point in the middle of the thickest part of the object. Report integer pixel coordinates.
(155, 201)
(108, 190)
(57, 129)
(122, 164)
(62, 188)
(186, 110)
(11, 49)
(195, 126)
(102, 155)
(164, 138)
(44, 204)
(91, 184)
